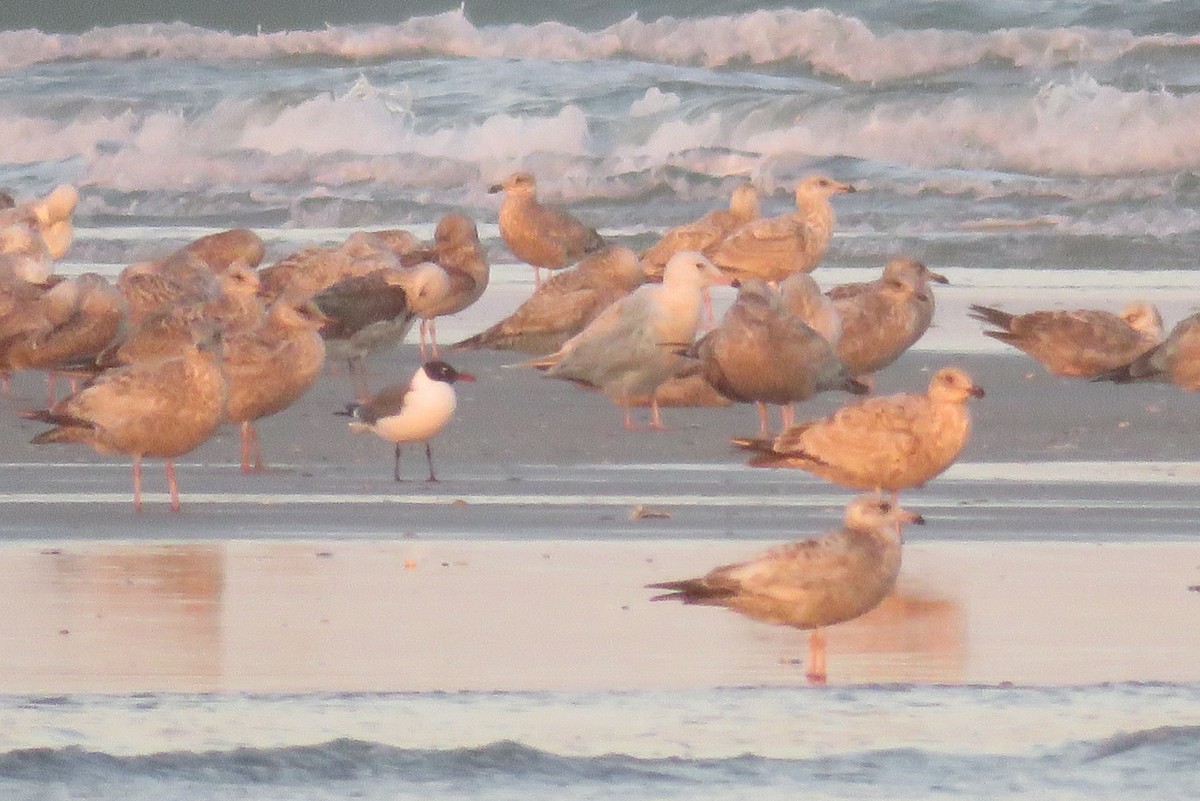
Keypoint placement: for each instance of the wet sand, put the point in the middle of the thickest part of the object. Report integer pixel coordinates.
(1058, 551)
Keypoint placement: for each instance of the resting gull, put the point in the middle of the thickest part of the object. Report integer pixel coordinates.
(883, 318)
(541, 236)
(631, 347)
(813, 583)
(761, 353)
(564, 304)
(1081, 343)
(1176, 360)
(772, 248)
(414, 413)
(884, 443)
(162, 409)
(704, 233)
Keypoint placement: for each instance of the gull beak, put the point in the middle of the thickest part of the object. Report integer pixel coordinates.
(937, 278)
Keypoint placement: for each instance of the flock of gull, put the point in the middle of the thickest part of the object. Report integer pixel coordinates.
(204, 336)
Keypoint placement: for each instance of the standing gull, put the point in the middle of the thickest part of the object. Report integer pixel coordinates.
(883, 318)
(268, 368)
(813, 583)
(764, 354)
(631, 347)
(886, 443)
(162, 409)
(1081, 343)
(458, 254)
(414, 413)
(565, 304)
(1176, 360)
(772, 248)
(541, 236)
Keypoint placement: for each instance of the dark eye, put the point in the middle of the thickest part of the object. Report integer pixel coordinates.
(885, 507)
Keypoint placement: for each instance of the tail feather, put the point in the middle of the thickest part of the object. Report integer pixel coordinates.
(991, 316)
(690, 591)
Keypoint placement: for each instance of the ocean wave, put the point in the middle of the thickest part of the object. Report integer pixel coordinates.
(512, 764)
(819, 40)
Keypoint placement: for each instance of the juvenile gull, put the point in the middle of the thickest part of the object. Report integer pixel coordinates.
(704, 233)
(162, 409)
(541, 236)
(73, 322)
(1081, 343)
(886, 443)
(883, 318)
(813, 583)
(1176, 360)
(761, 353)
(564, 304)
(772, 248)
(223, 249)
(269, 367)
(458, 254)
(307, 271)
(414, 413)
(631, 347)
(803, 297)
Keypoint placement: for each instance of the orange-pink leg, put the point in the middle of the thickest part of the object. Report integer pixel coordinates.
(172, 486)
(251, 453)
(764, 419)
(787, 416)
(137, 483)
(655, 415)
(816, 657)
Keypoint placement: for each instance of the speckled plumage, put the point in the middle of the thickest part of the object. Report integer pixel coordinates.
(1080, 343)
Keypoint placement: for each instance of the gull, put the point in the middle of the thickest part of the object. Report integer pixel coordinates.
(883, 318)
(307, 271)
(414, 413)
(223, 249)
(803, 297)
(772, 248)
(1081, 343)
(631, 347)
(813, 583)
(162, 409)
(75, 321)
(703, 233)
(883, 443)
(764, 354)
(539, 235)
(564, 304)
(1175, 360)
(270, 367)
(463, 262)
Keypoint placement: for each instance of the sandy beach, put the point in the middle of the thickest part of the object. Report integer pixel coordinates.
(1060, 550)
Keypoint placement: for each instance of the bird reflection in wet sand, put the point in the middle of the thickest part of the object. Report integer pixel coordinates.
(813, 583)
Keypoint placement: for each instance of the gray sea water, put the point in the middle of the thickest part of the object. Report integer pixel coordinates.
(1040, 151)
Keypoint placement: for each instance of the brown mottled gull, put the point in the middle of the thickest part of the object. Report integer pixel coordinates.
(539, 235)
(1175, 360)
(270, 367)
(883, 318)
(223, 249)
(803, 297)
(772, 248)
(631, 347)
(162, 409)
(813, 583)
(75, 321)
(1081, 343)
(885, 443)
(761, 353)
(458, 253)
(308, 271)
(704, 233)
(564, 304)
